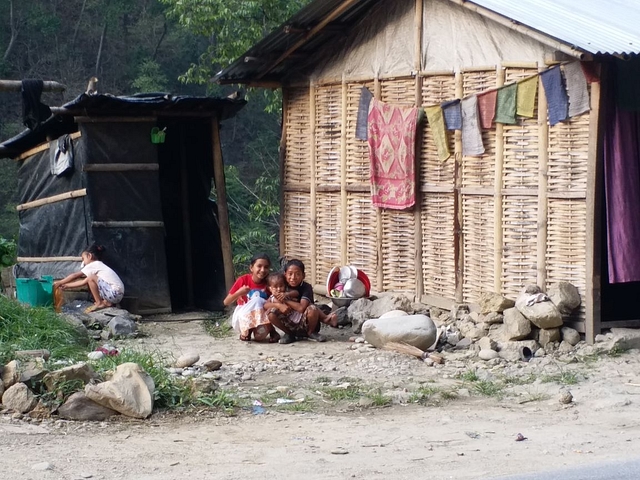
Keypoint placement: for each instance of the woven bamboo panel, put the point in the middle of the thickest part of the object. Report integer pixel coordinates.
(435, 90)
(520, 231)
(512, 74)
(327, 233)
(297, 225)
(566, 242)
(438, 253)
(362, 248)
(297, 165)
(480, 171)
(357, 150)
(478, 238)
(399, 91)
(328, 100)
(398, 251)
(568, 155)
(520, 169)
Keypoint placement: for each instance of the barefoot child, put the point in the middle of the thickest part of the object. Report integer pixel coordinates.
(104, 284)
(250, 292)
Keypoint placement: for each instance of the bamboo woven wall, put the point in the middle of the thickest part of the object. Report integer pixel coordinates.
(497, 204)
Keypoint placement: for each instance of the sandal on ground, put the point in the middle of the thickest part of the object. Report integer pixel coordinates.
(95, 308)
(287, 338)
(274, 337)
(245, 338)
(317, 337)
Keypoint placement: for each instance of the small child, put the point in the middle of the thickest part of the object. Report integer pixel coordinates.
(105, 285)
(250, 293)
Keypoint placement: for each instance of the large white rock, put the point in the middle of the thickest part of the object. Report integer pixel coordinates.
(79, 407)
(394, 313)
(542, 314)
(19, 398)
(565, 296)
(494, 302)
(570, 335)
(11, 373)
(187, 359)
(79, 371)
(130, 391)
(416, 330)
(516, 326)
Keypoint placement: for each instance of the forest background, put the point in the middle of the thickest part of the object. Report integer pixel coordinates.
(136, 46)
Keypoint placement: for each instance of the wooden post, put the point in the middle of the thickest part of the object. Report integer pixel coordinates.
(458, 237)
(312, 178)
(595, 173)
(543, 206)
(497, 196)
(377, 93)
(53, 199)
(417, 63)
(343, 178)
(16, 86)
(223, 209)
(282, 157)
(186, 219)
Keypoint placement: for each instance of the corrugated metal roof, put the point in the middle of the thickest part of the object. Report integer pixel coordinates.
(596, 26)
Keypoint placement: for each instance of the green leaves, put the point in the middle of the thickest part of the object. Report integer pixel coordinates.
(8, 251)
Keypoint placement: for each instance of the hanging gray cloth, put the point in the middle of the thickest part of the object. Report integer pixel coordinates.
(363, 113)
(61, 156)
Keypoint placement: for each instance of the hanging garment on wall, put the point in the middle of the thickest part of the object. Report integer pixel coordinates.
(471, 134)
(526, 96)
(392, 142)
(61, 156)
(34, 112)
(576, 89)
(487, 107)
(590, 73)
(506, 105)
(452, 114)
(363, 112)
(557, 100)
(436, 122)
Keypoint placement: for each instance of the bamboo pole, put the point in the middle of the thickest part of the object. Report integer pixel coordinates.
(42, 147)
(121, 167)
(543, 205)
(53, 199)
(593, 253)
(458, 236)
(497, 196)
(282, 157)
(377, 93)
(221, 199)
(106, 119)
(312, 176)
(16, 86)
(48, 259)
(343, 178)
(417, 63)
(186, 216)
(128, 224)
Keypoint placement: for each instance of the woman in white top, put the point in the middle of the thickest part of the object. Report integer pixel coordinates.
(105, 285)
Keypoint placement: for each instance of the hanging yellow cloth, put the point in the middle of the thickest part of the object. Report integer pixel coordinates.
(526, 96)
(438, 130)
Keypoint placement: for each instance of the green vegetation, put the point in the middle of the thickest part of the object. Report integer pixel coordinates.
(8, 251)
(563, 378)
(218, 325)
(379, 399)
(336, 394)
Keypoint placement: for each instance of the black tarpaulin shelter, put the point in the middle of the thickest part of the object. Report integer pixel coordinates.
(148, 203)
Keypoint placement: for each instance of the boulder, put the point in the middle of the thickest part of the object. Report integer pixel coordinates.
(343, 317)
(485, 343)
(394, 314)
(487, 354)
(11, 373)
(623, 338)
(418, 308)
(493, 317)
(542, 314)
(19, 398)
(32, 370)
(416, 330)
(570, 335)
(79, 371)
(565, 296)
(81, 408)
(386, 302)
(122, 326)
(130, 391)
(470, 330)
(546, 336)
(212, 365)
(516, 326)
(359, 312)
(1, 389)
(494, 302)
(187, 359)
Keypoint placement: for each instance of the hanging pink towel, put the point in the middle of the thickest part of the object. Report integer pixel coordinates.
(487, 108)
(392, 141)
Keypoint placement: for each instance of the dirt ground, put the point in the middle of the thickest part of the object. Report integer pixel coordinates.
(471, 436)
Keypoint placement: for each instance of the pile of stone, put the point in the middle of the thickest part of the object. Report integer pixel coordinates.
(103, 324)
(128, 390)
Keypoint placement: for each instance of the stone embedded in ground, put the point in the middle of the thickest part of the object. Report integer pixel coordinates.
(487, 354)
(42, 466)
(212, 365)
(130, 391)
(32, 370)
(394, 314)
(359, 312)
(416, 330)
(565, 347)
(492, 318)
(385, 302)
(516, 326)
(79, 371)
(570, 335)
(486, 343)
(542, 314)
(626, 338)
(342, 314)
(19, 398)
(494, 302)
(565, 296)
(565, 397)
(187, 359)
(81, 408)
(122, 326)
(546, 336)
(470, 330)
(1, 388)
(464, 343)
(11, 373)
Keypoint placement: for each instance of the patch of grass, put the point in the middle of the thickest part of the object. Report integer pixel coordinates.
(534, 397)
(61, 391)
(469, 376)
(487, 388)
(351, 380)
(423, 394)
(379, 399)
(218, 326)
(563, 378)
(219, 399)
(352, 392)
(322, 379)
(617, 351)
(514, 380)
(34, 328)
(297, 407)
(448, 395)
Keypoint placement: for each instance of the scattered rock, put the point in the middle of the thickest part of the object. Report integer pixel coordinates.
(33, 370)
(19, 398)
(42, 466)
(81, 408)
(623, 338)
(416, 330)
(565, 397)
(394, 314)
(570, 335)
(565, 296)
(212, 365)
(187, 360)
(494, 302)
(359, 312)
(565, 347)
(339, 451)
(122, 326)
(486, 343)
(548, 335)
(542, 314)
(516, 326)
(493, 318)
(464, 343)
(80, 371)
(11, 373)
(386, 302)
(488, 354)
(343, 316)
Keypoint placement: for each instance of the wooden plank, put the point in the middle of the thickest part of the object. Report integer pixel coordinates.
(436, 73)
(437, 188)
(48, 259)
(543, 204)
(128, 224)
(101, 119)
(620, 324)
(297, 189)
(440, 302)
(282, 158)
(458, 235)
(417, 210)
(221, 200)
(53, 199)
(16, 86)
(312, 175)
(417, 38)
(186, 212)
(497, 196)
(154, 311)
(476, 191)
(42, 147)
(577, 326)
(343, 177)
(377, 93)
(121, 167)
(593, 247)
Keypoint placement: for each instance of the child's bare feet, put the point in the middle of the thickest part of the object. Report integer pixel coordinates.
(332, 320)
